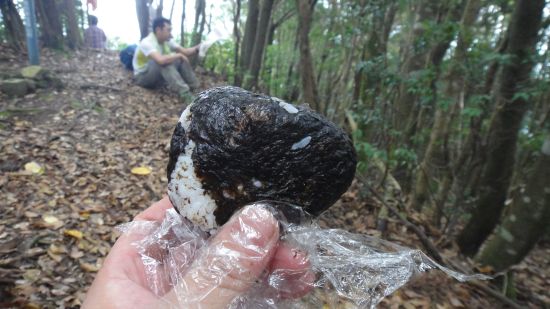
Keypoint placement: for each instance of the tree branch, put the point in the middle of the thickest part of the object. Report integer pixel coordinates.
(433, 252)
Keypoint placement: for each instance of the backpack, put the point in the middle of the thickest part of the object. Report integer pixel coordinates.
(127, 55)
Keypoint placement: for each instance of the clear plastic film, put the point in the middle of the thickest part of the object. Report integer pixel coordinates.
(272, 255)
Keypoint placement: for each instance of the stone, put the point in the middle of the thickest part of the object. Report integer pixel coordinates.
(16, 86)
(33, 72)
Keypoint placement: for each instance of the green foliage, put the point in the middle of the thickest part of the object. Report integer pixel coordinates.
(220, 59)
(365, 151)
(116, 43)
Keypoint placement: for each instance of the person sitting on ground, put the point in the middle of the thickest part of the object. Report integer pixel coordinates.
(158, 60)
(94, 37)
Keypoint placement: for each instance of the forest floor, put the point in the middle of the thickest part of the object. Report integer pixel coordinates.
(56, 227)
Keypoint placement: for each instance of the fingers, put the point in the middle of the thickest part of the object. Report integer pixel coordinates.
(290, 272)
(156, 212)
(236, 257)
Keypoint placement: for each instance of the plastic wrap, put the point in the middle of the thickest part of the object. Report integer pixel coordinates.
(339, 269)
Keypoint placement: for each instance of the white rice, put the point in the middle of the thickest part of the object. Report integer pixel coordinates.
(288, 107)
(185, 189)
(302, 143)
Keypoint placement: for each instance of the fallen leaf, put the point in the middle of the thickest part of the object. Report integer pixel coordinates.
(73, 233)
(142, 170)
(485, 269)
(34, 168)
(76, 254)
(30, 214)
(456, 302)
(31, 306)
(84, 214)
(52, 222)
(32, 275)
(89, 267)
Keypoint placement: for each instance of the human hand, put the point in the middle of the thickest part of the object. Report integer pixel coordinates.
(231, 263)
(184, 58)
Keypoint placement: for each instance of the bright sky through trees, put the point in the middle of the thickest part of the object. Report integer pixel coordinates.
(118, 19)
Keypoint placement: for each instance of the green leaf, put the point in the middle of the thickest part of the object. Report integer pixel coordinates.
(520, 96)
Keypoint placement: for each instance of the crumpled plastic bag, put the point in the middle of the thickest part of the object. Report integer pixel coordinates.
(351, 270)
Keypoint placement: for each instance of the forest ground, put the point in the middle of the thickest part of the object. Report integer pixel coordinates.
(57, 227)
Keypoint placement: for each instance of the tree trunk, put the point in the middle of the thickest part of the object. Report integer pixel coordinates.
(142, 11)
(13, 24)
(375, 46)
(248, 39)
(505, 123)
(200, 19)
(421, 68)
(415, 60)
(74, 40)
(328, 43)
(160, 8)
(50, 23)
(526, 221)
(276, 24)
(443, 114)
(237, 35)
(260, 41)
(182, 27)
(309, 86)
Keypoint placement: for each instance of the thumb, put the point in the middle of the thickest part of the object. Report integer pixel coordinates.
(236, 257)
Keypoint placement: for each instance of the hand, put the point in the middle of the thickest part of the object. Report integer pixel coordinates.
(184, 58)
(234, 259)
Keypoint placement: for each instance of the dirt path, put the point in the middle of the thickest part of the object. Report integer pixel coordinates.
(57, 227)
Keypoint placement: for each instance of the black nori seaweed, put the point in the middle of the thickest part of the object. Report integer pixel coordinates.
(177, 147)
(242, 136)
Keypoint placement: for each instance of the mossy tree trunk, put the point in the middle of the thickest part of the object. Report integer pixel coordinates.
(310, 93)
(260, 43)
(74, 40)
(505, 123)
(525, 222)
(200, 20)
(13, 24)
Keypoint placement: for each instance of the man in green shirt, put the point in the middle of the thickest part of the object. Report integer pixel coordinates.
(158, 60)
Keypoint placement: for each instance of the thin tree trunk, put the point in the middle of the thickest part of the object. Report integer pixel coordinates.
(160, 8)
(260, 41)
(443, 115)
(248, 40)
(13, 24)
(200, 19)
(276, 24)
(526, 221)
(182, 26)
(74, 40)
(309, 86)
(415, 61)
(142, 11)
(237, 35)
(505, 124)
(172, 9)
(50, 23)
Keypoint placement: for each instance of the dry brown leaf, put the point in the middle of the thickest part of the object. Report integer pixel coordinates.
(456, 302)
(73, 233)
(34, 168)
(141, 170)
(89, 267)
(52, 222)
